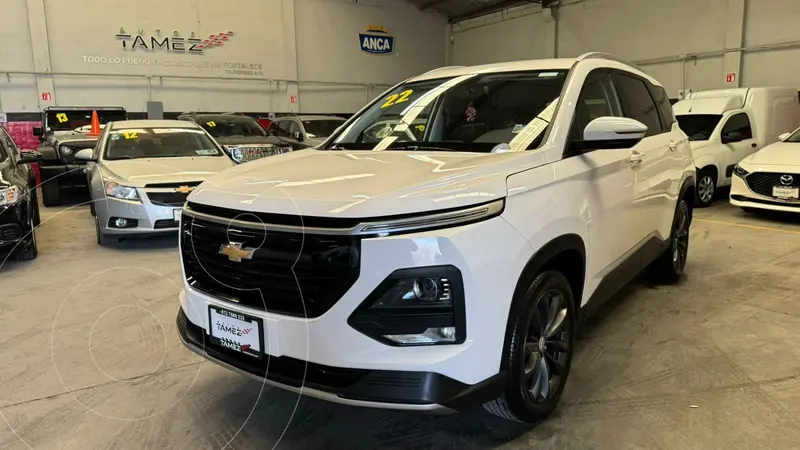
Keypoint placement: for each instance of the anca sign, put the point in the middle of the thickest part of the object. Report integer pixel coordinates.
(376, 41)
(174, 43)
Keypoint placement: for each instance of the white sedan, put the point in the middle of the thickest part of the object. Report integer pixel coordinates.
(770, 178)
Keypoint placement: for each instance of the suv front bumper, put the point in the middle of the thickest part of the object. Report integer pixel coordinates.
(454, 376)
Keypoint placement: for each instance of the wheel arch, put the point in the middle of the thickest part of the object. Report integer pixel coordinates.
(565, 253)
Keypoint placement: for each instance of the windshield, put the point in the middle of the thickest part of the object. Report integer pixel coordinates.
(320, 128)
(71, 120)
(698, 126)
(489, 112)
(222, 127)
(135, 143)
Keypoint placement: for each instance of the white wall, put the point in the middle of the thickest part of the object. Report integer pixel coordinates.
(309, 48)
(327, 49)
(655, 33)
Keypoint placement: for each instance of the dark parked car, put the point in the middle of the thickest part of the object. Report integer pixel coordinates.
(242, 137)
(19, 207)
(64, 132)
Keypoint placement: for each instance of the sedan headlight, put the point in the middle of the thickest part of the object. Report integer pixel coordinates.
(116, 190)
(739, 172)
(421, 306)
(10, 195)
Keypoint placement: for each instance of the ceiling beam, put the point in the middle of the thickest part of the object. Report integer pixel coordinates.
(488, 9)
(431, 4)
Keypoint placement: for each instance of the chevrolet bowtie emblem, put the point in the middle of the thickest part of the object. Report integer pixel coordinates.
(235, 252)
(184, 190)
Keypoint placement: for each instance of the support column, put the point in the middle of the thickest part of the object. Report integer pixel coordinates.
(550, 22)
(292, 91)
(40, 46)
(734, 38)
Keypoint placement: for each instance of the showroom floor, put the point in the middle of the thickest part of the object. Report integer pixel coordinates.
(89, 358)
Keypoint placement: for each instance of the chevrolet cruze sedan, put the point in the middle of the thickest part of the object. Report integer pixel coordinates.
(141, 171)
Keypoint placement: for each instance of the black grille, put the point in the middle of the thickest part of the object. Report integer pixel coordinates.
(276, 219)
(762, 182)
(165, 223)
(167, 198)
(10, 232)
(325, 267)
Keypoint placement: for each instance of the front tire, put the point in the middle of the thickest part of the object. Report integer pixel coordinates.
(104, 240)
(668, 268)
(706, 188)
(51, 192)
(540, 341)
(30, 249)
(37, 219)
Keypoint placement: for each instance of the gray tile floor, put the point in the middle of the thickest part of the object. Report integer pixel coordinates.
(89, 359)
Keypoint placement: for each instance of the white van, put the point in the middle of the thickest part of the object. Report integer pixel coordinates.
(726, 125)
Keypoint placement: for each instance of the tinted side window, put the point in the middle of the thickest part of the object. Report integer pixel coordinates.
(293, 127)
(664, 107)
(738, 122)
(637, 102)
(597, 99)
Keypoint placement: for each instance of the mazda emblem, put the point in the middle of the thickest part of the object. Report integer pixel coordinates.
(787, 180)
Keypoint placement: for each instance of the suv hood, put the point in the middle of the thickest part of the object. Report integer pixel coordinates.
(779, 153)
(139, 172)
(360, 184)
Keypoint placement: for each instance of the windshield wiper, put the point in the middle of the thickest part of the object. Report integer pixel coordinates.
(421, 147)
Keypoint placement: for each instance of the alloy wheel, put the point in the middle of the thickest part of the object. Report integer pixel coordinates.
(547, 346)
(680, 237)
(705, 188)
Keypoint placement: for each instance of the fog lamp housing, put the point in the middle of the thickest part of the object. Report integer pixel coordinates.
(411, 307)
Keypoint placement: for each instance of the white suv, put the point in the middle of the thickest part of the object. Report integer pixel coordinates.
(447, 259)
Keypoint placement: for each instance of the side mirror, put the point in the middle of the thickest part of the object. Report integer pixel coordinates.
(37, 131)
(30, 157)
(784, 136)
(611, 133)
(733, 136)
(85, 155)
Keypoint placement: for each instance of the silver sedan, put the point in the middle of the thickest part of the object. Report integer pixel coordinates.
(141, 171)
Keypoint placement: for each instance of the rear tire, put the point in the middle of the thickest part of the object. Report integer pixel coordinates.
(104, 240)
(51, 192)
(706, 188)
(668, 268)
(540, 342)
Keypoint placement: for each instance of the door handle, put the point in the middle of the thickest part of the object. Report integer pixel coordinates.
(673, 146)
(636, 158)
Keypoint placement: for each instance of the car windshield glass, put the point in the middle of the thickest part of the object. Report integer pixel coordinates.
(321, 127)
(698, 126)
(71, 120)
(221, 127)
(488, 112)
(795, 137)
(135, 143)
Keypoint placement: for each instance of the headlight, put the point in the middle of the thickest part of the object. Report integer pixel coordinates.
(236, 153)
(9, 196)
(116, 190)
(739, 172)
(422, 306)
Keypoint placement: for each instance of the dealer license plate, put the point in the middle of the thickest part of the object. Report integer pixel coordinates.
(785, 193)
(176, 214)
(235, 331)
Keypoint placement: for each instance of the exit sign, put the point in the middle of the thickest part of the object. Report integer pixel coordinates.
(730, 78)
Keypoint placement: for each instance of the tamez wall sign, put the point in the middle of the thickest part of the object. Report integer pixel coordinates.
(376, 40)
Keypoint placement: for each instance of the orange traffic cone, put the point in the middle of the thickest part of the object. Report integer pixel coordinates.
(95, 131)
